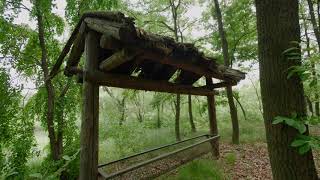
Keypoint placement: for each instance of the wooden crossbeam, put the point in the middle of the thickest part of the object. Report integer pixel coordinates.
(221, 84)
(129, 82)
(180, 64)
(117, 59)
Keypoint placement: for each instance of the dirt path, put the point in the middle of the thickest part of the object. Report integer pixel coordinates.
(251, 161)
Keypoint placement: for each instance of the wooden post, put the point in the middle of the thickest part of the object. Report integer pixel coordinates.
(213, 121)
(90, 116)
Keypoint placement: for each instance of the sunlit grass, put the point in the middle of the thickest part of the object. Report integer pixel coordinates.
(201, 169)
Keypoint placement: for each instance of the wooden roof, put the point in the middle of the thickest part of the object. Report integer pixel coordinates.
(127, 53)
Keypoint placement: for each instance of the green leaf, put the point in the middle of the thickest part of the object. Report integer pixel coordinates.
(294, 58)
(289, 50)
(36, 175)
(297, 124)
(313, 83)
(67, 158)
(303, 149)
(295, 43)
(298, 142)
(278, 120)
(290, 122)
(301, 128)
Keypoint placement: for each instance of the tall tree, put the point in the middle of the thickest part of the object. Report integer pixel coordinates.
(316, 31)
(278, 25)
(233, 109)
(166, 17)
(32, 53)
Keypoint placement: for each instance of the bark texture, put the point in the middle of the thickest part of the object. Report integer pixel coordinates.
(278, 25)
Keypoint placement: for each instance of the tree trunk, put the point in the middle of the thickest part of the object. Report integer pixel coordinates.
(139, 115)
(158, 117)
(213, 125)
(234, 116)
(233, 109)
(305, 26)
(174, 14)
(241, 107)
(54, 146)
(193, 127)
(309, 103)
(123, 110)
(317, 35)
(278, 25)
(257, 94)
(177, 121)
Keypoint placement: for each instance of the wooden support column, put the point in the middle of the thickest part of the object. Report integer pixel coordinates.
(213, 121)
(90, 116)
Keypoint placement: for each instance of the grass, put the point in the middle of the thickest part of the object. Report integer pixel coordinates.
(201, 169)
(118, 141)
(230, 159)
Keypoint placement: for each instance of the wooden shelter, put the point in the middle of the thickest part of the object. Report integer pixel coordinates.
(117, 54)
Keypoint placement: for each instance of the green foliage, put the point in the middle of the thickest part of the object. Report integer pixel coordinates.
(76, 8)
(63, 168)
(240, 27)
(16, 130)
(294, 122)
(302, 142)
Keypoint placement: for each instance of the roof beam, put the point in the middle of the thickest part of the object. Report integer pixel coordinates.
(117, 59)
(180, 64)
(77, 50)
(129, 82)
(120, 31)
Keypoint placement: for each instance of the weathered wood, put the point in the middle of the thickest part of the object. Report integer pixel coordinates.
(174, 153)
(76, 51)
(213, 125)
(221, 84)
(90, 119)
(117, 59)
(181, 64)
(120, 31)
(112, 16)
(129, 82)
(109, 42)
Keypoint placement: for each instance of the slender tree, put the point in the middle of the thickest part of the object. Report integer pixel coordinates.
(278, 25)
(233, 109)
(316, 30)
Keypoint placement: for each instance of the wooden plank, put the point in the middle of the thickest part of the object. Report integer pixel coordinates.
(117, 59)
(181, 64)
(76, 51)
(121, 31)
(153, 149)
(109, 42)
(221, 84)
(213, 125)
(90, 117)
(161, 157)
(129, 82)
(199, 68)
